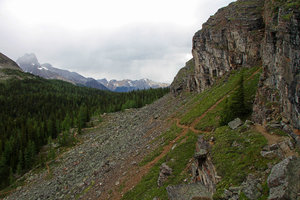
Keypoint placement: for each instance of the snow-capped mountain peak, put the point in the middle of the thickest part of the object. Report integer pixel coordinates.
(127, 85)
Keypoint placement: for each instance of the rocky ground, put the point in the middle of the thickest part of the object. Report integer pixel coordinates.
(93, 168)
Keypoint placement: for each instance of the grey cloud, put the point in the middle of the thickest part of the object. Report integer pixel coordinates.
(147, 50)
(120, 52)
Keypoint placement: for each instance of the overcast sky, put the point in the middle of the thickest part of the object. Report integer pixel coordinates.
(113, 39)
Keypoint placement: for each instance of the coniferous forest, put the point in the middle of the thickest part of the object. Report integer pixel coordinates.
(35, 111)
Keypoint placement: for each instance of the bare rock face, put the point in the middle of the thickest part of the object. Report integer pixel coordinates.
(7, 63)
(228, 40)
(250, 33)
(279, 90)
(185, 79)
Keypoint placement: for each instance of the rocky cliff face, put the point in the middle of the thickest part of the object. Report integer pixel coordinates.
(185, 79)
(228, 40)
(249, 33)
(279, 91)
(7, 63)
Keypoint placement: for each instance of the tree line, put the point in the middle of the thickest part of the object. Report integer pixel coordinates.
(35, 111)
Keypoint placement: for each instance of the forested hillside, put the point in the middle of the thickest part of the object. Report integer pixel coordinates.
(33, 111)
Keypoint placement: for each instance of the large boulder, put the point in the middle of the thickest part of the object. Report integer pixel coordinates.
(189, 192)
(284, 180)
(165, 171)
(252, 187)
(234, 124)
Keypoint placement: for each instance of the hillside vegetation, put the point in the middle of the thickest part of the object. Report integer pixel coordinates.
(34, 111)
(210, 103)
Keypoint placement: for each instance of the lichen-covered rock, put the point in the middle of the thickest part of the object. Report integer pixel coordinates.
(284, 180)
(234, 124)
(189, 192)
(165, 171)
(252, 187)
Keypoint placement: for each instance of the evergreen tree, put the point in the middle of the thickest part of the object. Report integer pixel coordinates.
(237, 105)
(52, 107)
(4, 171)
(11, 176)
(51, 151)
(20, 165)
(234, 105)
(226, 114)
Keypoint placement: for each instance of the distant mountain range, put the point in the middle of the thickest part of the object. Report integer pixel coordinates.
(29, 63)
(129, 85)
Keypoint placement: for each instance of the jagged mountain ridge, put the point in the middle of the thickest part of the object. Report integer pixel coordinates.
(244, 34)
(127, 85)
(29, 63)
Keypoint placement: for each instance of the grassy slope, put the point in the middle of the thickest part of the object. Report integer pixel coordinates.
(235, 162)
(211, 120)
(178, 159)
(209, 97)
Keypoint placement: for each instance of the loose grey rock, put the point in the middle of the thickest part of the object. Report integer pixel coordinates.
(235, 123)
(188, 192)
(165, 171)
(201, 154)
(269, 154)
(284, 180)
(251, 187)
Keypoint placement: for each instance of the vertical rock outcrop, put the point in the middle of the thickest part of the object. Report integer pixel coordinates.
(279, 90)
(228, 40)
(185, 79)
(204, 176)
(248, 33)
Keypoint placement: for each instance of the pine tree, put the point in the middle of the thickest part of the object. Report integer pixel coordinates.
(51, 152)
(235, 106)
(226, 114)
(3, 171)
(11, 178)
(20, 165)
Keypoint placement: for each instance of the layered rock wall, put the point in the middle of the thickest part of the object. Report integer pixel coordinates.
(250, 33)
(228, 40)
(279, 91)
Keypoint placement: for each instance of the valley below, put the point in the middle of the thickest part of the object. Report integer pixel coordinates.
(105, 155)
(227, 127)
(121, 156)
